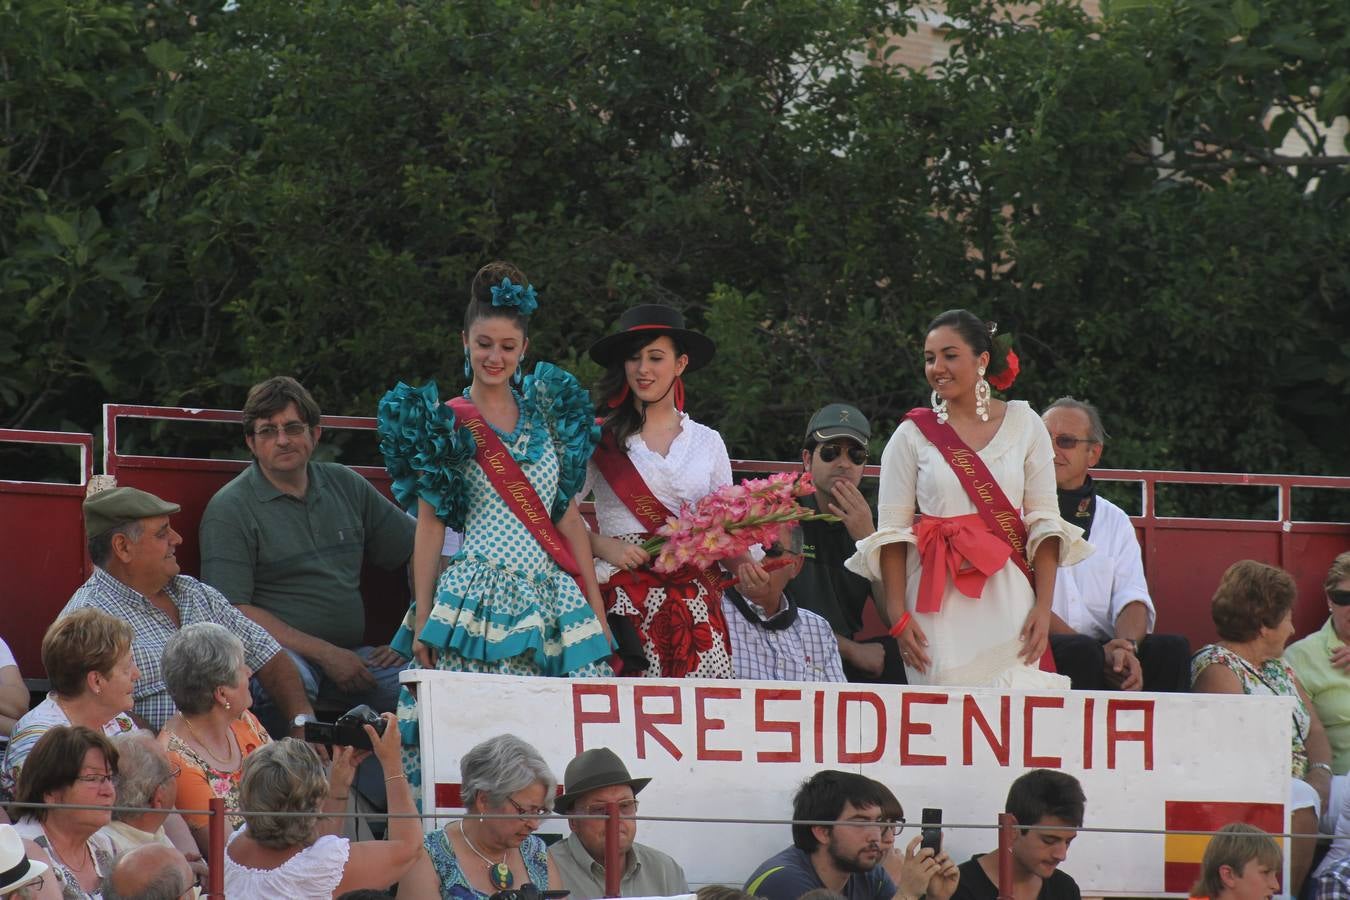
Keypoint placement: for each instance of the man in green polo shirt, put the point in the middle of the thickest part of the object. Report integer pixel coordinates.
(285, 542)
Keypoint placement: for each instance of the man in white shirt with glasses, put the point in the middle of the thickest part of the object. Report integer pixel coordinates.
(1102, 622)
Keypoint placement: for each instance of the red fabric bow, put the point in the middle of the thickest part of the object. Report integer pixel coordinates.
(962, 547)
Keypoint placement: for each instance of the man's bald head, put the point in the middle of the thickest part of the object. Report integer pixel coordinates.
(150, 872)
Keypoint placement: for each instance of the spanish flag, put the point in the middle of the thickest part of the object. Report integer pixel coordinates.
(1182, 852)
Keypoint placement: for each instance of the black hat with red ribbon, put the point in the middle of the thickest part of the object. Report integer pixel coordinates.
(650, 321)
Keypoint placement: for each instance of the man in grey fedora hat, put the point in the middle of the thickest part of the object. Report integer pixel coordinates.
(137, 579)
(594, 779)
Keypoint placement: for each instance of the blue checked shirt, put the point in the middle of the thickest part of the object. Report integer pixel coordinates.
(1334, 883)
(152, 629)
(806, 650)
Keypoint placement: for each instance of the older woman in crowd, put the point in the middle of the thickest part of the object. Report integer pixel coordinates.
(1253, 615)
(1322, 663)
(87, 655)
(290, 856)
(78, 766)
(213, 731)
(479, 856)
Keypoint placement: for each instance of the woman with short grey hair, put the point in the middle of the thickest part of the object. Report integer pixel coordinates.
(507, 789)
(280, 854)
(213, 732)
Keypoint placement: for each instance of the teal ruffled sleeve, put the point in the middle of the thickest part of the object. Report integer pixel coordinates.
(423, 447)
(566, 406)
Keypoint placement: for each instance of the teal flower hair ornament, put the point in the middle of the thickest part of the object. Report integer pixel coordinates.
(521, 296)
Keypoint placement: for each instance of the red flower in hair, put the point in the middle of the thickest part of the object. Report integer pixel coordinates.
(1004, 380)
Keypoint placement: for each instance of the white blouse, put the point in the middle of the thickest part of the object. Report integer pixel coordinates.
(696, 465)
(313, 873)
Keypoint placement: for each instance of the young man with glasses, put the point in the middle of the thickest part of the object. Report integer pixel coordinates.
(592, 781)
(834, 451)
(1102, 614)
(845, 857)
(286, 540)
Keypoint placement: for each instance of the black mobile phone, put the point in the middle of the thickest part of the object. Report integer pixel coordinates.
(931, 831)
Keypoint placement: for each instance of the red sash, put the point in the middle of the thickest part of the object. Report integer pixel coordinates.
(993, 506)
(510, 483)
(629, 486)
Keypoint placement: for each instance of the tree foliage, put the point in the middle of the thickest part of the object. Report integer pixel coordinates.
(193, 196)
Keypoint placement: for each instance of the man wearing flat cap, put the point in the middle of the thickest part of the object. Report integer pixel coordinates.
(136, 579)
(834, 451)
(593, 780)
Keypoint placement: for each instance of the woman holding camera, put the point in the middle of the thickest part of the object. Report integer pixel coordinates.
(299, 856)
(213, 732)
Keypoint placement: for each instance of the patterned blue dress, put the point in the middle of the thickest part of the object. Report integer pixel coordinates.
(503, 606)
(455, 884)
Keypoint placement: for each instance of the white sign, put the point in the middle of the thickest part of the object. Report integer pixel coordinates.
(739, 749)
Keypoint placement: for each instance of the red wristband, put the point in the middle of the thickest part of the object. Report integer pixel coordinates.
(899, 627)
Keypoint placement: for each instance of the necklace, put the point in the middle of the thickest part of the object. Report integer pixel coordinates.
(498, 873)
(229, 745)
(84, 865)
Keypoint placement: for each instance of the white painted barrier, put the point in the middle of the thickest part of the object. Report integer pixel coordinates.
(739, 749)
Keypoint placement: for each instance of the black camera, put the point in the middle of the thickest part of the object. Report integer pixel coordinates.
(528, 891)
(347, 731)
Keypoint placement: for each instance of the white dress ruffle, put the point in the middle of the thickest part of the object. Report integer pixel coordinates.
(973, 642)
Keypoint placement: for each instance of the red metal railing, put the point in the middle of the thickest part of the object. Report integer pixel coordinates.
(41, 544)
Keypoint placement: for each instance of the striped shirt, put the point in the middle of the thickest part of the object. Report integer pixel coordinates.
(152, 629)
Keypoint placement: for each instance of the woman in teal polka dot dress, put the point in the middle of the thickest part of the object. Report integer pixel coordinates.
(503, 605)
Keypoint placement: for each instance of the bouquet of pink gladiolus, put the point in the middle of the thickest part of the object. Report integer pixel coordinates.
(730, 520)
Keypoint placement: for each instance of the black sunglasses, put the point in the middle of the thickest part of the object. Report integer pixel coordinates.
(1068, 441)
(830, 452)
(1340, 598)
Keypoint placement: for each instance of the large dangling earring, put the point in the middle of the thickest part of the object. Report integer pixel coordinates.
(468, 369)
(982, 397)
(939, 407)
(518, 378)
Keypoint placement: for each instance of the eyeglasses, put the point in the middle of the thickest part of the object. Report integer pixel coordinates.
(528, 812)
(270, 432)
(894, 828)
(884, 827)
(626, 808)
(776, 551)
(830, 452)
(1068, 441)
(98, 779)
(1340, 598)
